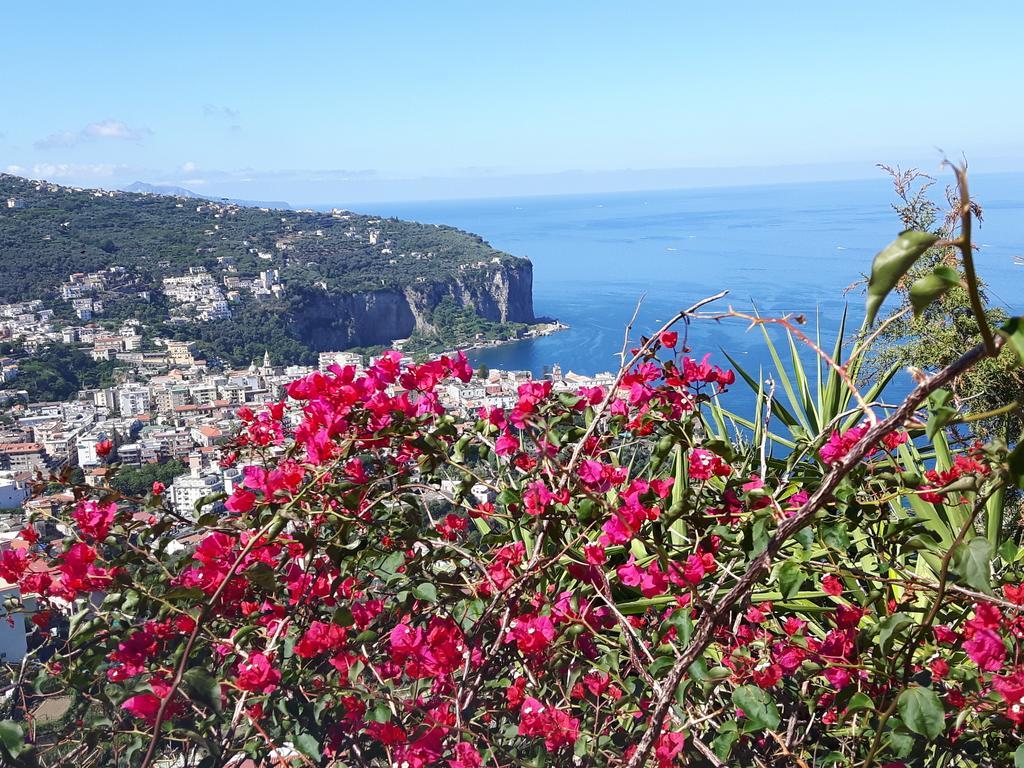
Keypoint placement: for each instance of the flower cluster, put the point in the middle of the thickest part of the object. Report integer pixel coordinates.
(357, 601)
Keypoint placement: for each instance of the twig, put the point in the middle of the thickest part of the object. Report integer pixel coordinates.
(629, 329)
(963, 242)
(606, 403)
(870, 339)
(767, 424)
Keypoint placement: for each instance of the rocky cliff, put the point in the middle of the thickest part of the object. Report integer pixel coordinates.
(326, 321)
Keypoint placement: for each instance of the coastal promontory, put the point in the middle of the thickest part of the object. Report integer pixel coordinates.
(242, 278)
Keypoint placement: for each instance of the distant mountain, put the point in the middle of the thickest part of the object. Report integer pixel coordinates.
(169, 189)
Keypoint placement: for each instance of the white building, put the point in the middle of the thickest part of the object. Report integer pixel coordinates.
(133, 400)
(326, 359)
(13, 490)
(188, 489)
(87, 456)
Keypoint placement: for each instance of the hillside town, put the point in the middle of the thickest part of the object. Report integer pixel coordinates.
(172, 407)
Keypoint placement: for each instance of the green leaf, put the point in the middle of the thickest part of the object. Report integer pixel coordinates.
(211, 498)
(889, 628)
(836, 536)
(1013, 331)
(1018, 757)
(262, 575)
(728, 734)
(202, 687)
(900, 739)
(940, 413)
(425, 591)
(927, 289)
(891, 263)
(791, 577)
(390, 565)
(759, 708)
(508, 496)
(1009, 550)
(308, 745)
(12, 737)
(1015, 463)
(973, 563)
(343, 617)
(859, 702)
(922, 712)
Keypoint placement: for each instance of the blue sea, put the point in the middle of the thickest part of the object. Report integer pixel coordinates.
(794, 248)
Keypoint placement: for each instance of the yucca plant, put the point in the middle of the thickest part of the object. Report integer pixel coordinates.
(813, 406)
(910, 535)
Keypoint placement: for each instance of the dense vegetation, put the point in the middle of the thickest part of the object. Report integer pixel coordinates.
(630, 576)
(244, 337)
(59, 371)
(137, 481)
(61, 230)
(458, 327)
(56, 231)
(929, 337)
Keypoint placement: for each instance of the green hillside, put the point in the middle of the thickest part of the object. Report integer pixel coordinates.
(58, 230)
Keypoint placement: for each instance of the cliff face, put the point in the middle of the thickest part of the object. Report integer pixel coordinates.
(329, 321)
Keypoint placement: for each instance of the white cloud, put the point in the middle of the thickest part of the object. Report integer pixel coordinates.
(103, 130)
(115, 129)
(220, 111)
(189, 167)
(81, 171)
(17, 170)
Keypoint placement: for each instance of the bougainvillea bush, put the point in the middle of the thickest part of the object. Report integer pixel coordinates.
(624, 576)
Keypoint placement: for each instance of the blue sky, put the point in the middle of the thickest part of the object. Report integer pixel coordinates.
(335, 101)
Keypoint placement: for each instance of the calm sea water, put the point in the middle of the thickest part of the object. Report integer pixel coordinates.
(785, 248)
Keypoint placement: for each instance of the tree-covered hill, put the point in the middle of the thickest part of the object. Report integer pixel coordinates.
(50, 231)
(330, 280)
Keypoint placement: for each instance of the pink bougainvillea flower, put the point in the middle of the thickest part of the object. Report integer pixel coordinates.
(651, 580)
(1014, 593)
(532, 634)
(143, 706)
(704, 465)
(986, 649)
(506, 445)
(241, 501)
(466, 756)
(1011, 688)
(257, 674)
(848, 616)
(94, 519)
(839, 444)
(944, 634)
(595, 554)
(893, 440)
(667, 748)
(556, 727)
(832, 585)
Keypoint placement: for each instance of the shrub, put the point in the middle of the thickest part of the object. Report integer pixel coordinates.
(646, 585)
